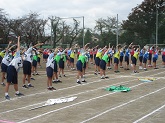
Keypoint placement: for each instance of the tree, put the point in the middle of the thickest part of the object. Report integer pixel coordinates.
(142, 21)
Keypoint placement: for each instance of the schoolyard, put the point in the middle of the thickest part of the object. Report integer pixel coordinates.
(145, 103)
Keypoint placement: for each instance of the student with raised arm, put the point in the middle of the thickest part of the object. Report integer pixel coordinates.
(12, 72)
(50, 70)
(103, 62)
(5, 62)
(27, 65)
(116, 58)
(98, 59)
(134, 60)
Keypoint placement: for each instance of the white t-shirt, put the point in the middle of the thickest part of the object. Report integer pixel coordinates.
(50, 61)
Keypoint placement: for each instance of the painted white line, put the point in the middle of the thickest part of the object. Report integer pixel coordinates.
(72, 94)
(41, 103)
(85, 101)
(163, 106)
(131, 101)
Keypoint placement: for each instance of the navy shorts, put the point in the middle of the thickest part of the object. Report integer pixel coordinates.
(49, 72)
(141, 58)
(154, 59)
(85, 65)
(79, 65)
(126, 60)
(116, 60)
(3, 68)
(150, 56)
(97, 61)
(72, 60)
(121, 58)
(102, 64)
(61, 64)
(91, 56)
(144, 60)
(1, 59)
(38, 59)
(34, 63)
(26, 68)
(55, 66)
(134, 60)
(12, 76)
(163, 58)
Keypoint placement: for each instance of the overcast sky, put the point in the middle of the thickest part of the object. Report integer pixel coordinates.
(90, 9)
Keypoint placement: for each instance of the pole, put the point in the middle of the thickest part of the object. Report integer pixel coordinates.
(156, 25)
(83, 31)
(117, 31)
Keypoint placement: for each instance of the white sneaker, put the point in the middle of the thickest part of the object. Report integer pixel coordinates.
(140, 67)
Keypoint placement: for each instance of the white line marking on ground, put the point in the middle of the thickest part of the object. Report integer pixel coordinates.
(163, 106)
(91, 100)
(121, 105)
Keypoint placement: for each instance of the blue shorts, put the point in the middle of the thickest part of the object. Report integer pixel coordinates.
(150, 56)
(26, 68)
(61, 64)
(79, 65)
(116, 60)
(163, 58)
(144, 60)
(102, 64)
(141, 58)
(85, 65)
(12, 76)
(97, 61)
(126, 60)
(38, 59)
(134, 60)
(1, 59)
(34, 63)
(55, 66)
(3, 68)
(121, 58)
(72, 60)
(154, 59)
(49, 72)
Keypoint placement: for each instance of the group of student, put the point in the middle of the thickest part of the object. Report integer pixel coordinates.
(55, 59)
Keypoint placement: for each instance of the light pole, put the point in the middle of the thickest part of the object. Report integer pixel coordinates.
(117, 31)
(163, 4)
(83, 24)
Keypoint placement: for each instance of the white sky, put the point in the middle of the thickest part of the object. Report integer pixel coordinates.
(90, 9)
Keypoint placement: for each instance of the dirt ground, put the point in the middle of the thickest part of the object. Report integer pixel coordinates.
(145, 103)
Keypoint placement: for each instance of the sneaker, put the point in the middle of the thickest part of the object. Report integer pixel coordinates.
(30, 85)
(32, 78)
(145, 69)
(116, 71)
(78, 82)
(121, 66)
(7, 97)
(24, 86)
(102, 77)
(3, 84)
(52, 88)
(135, 72)
(59, 75)
(106, 77)
(19, 94)
(83, 81)
(49, 88)
(37, 73)
(95, 73)
(33, 74)
(58, 81)
(156, 68)
(64, 75)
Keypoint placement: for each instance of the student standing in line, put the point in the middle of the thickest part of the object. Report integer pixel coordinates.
(145, 57)
(5, 62)
(155, 58)
(50, 70)
(163, 57)
(134, 60)
(12, 72)
(103, 62)
(27, 65)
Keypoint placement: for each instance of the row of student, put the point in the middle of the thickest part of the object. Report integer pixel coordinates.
(101, 61)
